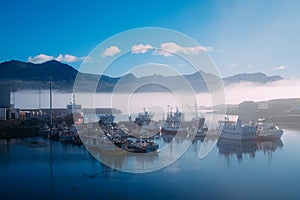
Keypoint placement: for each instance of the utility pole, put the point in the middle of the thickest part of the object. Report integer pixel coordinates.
(196, 108)
(40, 101)
(14, 94)
(51, 120)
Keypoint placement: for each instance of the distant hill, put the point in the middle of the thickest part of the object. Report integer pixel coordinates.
(283, 112)
(253, 77)
(22, 75)
(29, 76)
(17, 70)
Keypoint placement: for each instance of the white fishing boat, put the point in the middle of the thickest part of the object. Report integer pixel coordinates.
(268, 131)
(235, 130)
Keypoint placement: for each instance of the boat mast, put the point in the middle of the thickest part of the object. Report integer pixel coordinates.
(168, 111)
(73, 99)
(196, 109)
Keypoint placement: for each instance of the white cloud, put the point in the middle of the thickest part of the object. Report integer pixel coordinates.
(169, 48)
(60, 57)
(141, 48)
(234, 65)
(280, 67)
(110, 51)
(158, 64)
(68, 58)
(40, 58)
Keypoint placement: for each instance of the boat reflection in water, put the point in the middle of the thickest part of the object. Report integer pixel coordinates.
(229, 147)
(121, 160)
(118, 150)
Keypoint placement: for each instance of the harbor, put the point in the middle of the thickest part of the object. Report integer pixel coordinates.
(136, 135)
(77, 151)
(64, 170)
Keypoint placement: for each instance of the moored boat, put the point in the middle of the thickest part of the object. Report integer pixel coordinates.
(268, 131)
(144, 118)
(145, 124)
(45, 130)
(106, 119)
(140, 146)
(235, 130)
(173, 123)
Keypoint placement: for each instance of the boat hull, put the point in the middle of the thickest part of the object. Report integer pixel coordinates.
(237, 136)
(270, 135)
(173, 131)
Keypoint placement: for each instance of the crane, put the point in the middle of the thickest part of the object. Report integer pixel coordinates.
(196, 109)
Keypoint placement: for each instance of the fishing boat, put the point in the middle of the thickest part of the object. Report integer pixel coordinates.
(235, 130)
(197, 125)
(45, 130)
(197, 121)
(267, 131)
(140, 146)
(67, 134)
(173, 122)
(106, 119)
(144, 118)
(145, 124)
(201, 132)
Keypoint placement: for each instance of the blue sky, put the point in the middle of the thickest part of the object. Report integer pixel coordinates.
(246, 35)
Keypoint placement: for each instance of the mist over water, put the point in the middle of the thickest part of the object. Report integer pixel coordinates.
(245, 91)
(133, 103)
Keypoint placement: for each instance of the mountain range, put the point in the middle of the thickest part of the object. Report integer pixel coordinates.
(28, 76)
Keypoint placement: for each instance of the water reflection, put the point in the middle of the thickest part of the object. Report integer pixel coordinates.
(248, 147)
(119, 159)
(69, 171)
(170, 147)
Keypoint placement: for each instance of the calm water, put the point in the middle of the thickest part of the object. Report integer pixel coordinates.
(232, 170)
